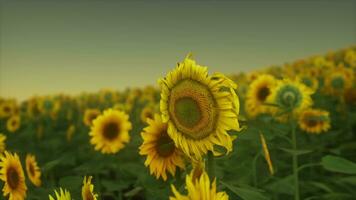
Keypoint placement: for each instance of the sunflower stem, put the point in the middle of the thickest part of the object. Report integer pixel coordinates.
(211, 165)
(295, 161)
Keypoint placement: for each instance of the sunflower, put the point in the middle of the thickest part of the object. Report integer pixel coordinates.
(198, 108)
(90, 115)
(314, 121)
(110, 131)
(61, 195)
(32, 169)
(338, 80)
(147, 113)
(162, 154)
(258, 92)
(308, 81)
(199, 189)
(2, 142)
(12, 174)
(13, 123)
(88, 189)
(6, 109)
(290, 96)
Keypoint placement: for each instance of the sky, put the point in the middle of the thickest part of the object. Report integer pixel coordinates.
(47, 47)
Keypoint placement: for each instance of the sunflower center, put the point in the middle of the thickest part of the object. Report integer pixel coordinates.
(32, 169)
(7, 109)
(307, 81)
(188, 111)
(111, 130)
(165, 146)
(12, 178)
(192, 109)
(263, 93)
(338, 83)
(289, 97)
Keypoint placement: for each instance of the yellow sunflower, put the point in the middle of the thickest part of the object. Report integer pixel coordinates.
(110, 131)
(314, 121)
(338, 80)
(88, 189)
(12, 174)
(6, 109)
(257, 94)
(2, 142)
(90, 115)
(33, 171)
(147, 113)
(13, 123)
(61, 195)
(199, 189)
(162, 154)
(198, 108)
(309, 81)
(290, 96)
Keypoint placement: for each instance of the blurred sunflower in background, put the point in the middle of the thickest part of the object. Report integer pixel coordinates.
(290, 96)
(89, 115)
(199, 189)
(88, 189)
(147, 112)
(308, 81)
(110, 131)
(198, 108)
(13, 123)
(33, 171)
(6, 109)
(61, 195)
(2, 143)
(338, 79)
(257, 94)
(11, 172)
(162, 154)
(314, 121)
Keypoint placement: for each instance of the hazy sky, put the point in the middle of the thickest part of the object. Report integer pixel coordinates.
(72, 46)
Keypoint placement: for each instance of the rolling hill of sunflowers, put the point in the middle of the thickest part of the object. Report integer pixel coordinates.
(283, 132)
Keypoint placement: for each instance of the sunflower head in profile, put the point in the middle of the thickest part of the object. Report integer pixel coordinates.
(13, 123)
(12, 174)
(199, 189)
(338, 80)
(162, 154)
(88, 189)
(110, 131)
(90, 115)
(198, 108)
(147, 112)
(61, 195)
(32, 169)
(257, 94)
(350, 57)
(314, 121)
(2, 142)
(291, 96)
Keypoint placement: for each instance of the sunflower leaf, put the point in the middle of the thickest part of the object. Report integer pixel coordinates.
(338, 164)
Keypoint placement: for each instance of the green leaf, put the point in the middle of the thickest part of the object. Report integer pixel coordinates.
(338, 164)
(284, 185)
(296, 152)
(245, 193)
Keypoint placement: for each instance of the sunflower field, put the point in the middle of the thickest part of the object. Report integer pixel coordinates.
(282, 132)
